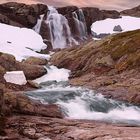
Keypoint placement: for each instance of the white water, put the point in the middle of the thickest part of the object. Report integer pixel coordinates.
(80, 103)
(37, 27)
(80, 23)
(59, 29)
(54, 74)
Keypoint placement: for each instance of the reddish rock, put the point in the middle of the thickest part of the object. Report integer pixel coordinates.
(43, 128)
(36, 61)
(20, 103)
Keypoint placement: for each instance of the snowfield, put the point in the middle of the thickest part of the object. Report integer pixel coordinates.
(106, 26)
(20, 42)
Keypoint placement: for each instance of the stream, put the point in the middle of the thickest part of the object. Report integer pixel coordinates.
(82, 103)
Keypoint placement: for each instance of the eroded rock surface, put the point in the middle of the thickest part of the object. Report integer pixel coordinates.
(40, 128)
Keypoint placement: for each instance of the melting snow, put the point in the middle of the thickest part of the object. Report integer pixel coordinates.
(106, 26)
(54, 74)
(20, 42)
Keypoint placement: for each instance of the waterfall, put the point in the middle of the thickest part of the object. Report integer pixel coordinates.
(80, 23)
(60, 33)
(37, 27)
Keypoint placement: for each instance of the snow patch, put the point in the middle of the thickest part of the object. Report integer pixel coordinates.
(54, 74)
(15, 77)
(21, 42)
(127, 23)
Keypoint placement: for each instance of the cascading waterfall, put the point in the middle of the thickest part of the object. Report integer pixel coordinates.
(37, 27)
(59, 29)
(80, 23)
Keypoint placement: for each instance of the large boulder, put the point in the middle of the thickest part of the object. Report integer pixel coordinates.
(31, 71)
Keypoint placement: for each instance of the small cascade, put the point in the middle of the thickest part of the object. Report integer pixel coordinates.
(80, 22)
(60, 33)
(37, 27)
(81, 103)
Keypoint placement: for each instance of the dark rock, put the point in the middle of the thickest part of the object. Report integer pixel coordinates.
(118, 28)
(19, 14)
(94, 14)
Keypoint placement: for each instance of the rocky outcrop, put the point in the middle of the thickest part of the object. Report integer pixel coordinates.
(107, 65)
(20, 14)
(94, 14)
(132, 12)
(20, 103)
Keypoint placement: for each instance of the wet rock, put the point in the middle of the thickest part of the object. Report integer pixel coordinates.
(33, 84)
(36, 61)
(31, 71)
(48, 83)
(20, 103)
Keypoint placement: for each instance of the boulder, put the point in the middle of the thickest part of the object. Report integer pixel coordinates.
(118, 28)
(36, 61)
(8, 62)
(31, 71)
(21, 14)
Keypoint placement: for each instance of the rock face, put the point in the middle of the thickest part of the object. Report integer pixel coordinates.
(94, 14)
(107, 66)
(132, 12)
